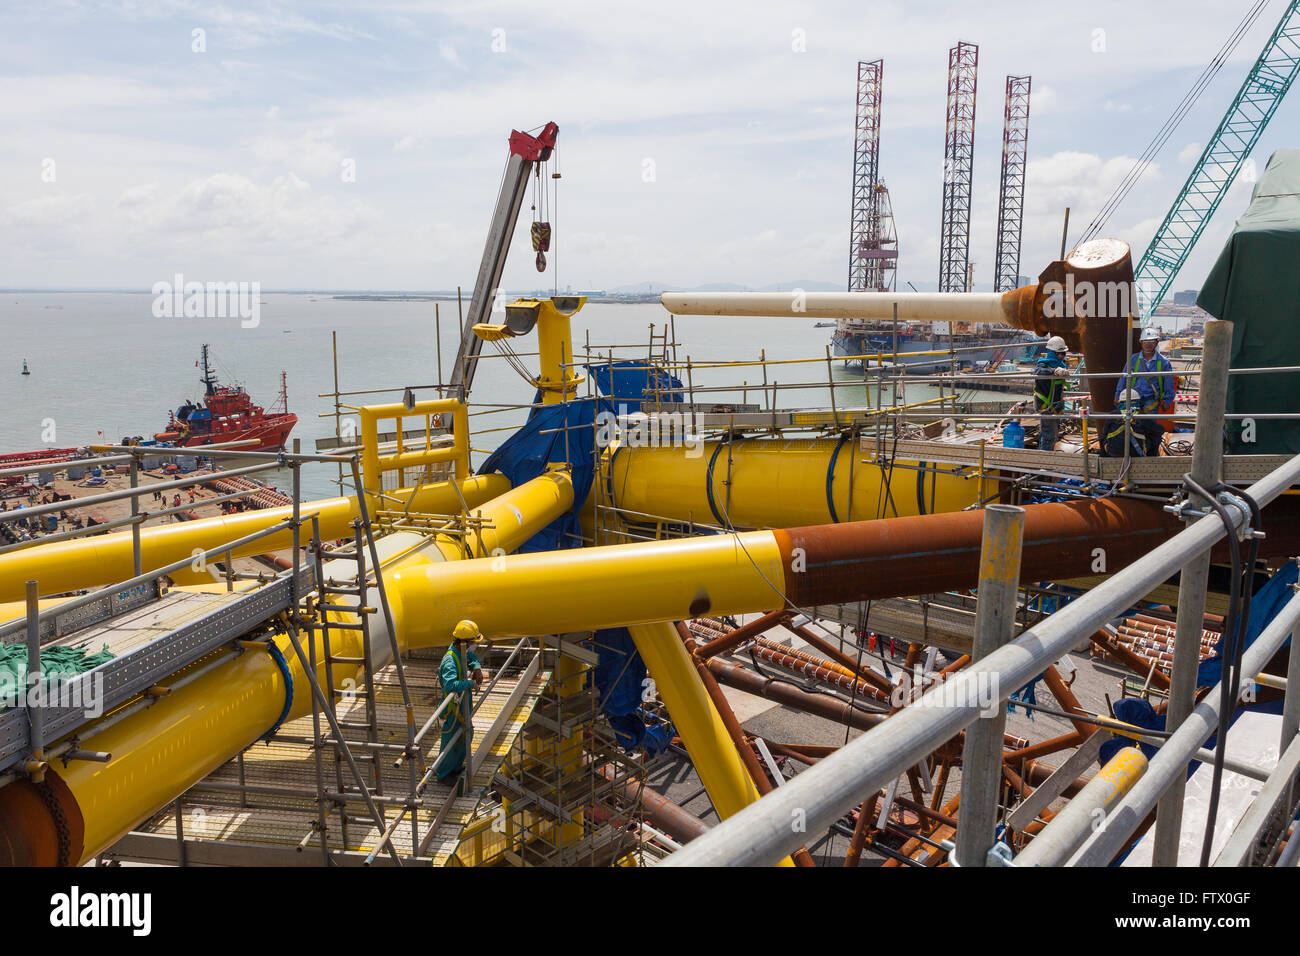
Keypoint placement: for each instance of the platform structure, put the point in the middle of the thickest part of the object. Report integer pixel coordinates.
(261, 808)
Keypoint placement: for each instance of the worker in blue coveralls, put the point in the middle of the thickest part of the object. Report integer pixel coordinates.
(1142, 435)
(459, 661)
(1049, 391)
(1157, 392)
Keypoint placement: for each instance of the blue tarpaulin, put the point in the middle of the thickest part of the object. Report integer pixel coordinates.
(1264, 605)
(542, 440)
(625, 384)
(620, 676)
(565, 433)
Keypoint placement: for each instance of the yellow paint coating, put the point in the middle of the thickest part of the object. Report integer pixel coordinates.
(183, 737)
(590, 588)
(102, 559)
(775, 483)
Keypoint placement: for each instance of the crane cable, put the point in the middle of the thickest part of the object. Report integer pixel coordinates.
(1171, 124)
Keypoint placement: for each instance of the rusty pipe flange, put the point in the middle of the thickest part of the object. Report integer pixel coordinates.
(40, 824)
(1088, 299)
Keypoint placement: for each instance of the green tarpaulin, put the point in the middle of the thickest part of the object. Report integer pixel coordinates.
(1255, 284)
(56, 662)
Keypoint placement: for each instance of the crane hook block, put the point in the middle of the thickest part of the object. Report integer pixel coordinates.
(541, 233)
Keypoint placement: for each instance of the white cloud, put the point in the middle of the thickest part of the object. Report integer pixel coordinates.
(311, 151)
(448, 53)
(1190, 152)
(235, 156)
(1042, 99)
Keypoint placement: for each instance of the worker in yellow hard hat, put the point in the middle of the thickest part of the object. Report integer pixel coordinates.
(459, 661)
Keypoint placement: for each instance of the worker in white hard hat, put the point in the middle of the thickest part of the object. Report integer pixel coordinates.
(459, 661)
(1049, 391)
(1157, 392)
(1142, 435)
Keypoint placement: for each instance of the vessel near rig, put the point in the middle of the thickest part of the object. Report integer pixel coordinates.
(227, 414)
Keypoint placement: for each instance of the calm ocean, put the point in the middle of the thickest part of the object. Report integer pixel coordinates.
(102, 363)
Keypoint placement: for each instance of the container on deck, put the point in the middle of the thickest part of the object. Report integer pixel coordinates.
(1013, 435)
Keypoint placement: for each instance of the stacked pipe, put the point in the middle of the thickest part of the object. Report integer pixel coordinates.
(1152, 640)
(256, 495)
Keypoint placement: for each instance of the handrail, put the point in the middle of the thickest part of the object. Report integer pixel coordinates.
(762, 834)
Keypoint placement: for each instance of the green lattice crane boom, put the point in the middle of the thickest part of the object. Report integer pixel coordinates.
(1224, 155)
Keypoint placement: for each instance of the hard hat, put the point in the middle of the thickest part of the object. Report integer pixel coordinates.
(1150, 335)
(1057, 344)
(465, 631)
(1128, 395)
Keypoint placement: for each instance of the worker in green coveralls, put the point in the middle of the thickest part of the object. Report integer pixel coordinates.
(459, 661)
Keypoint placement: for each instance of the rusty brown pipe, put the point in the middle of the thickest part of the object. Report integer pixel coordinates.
(825, 675)
(673, 819)
(720, 645)
(1044, 747)
(835, 654)
(819, 705)
(1086, 299)
(866, 813)
(868, 560)
(1065, 697)
(1128, 659)
(783, 692)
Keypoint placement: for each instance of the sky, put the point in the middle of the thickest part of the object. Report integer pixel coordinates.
(361, 145)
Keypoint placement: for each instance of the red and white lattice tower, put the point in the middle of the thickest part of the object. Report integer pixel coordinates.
(1011, 193)
(958, 160)
(873, 243)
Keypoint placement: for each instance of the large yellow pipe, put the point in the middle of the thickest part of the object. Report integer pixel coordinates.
(777, 483)
(103, 559)
(697, 721)
(164, 750)
(591, 588)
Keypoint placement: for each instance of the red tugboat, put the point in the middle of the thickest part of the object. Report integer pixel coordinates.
(227, 414)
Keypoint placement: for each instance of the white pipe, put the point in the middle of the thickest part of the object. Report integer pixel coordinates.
(912, 306)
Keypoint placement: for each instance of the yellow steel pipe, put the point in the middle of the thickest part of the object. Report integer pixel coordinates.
(165, 749)
(591, 588)
(697, 721)
(557, 380)
(102, 559)
(774, 483)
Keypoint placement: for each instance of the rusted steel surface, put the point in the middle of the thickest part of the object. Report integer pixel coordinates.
(866, 815)
(1065, 697)
(867, 560)
(40, 824)
(1050, 746)
(820, 705)
(783, 692)
(893, 557)
(736, 732)
(726, 642)
(781, 657)
(1140, 666)
(844, 660)
(679, 823)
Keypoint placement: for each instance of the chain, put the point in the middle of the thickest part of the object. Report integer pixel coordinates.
(55, 806)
